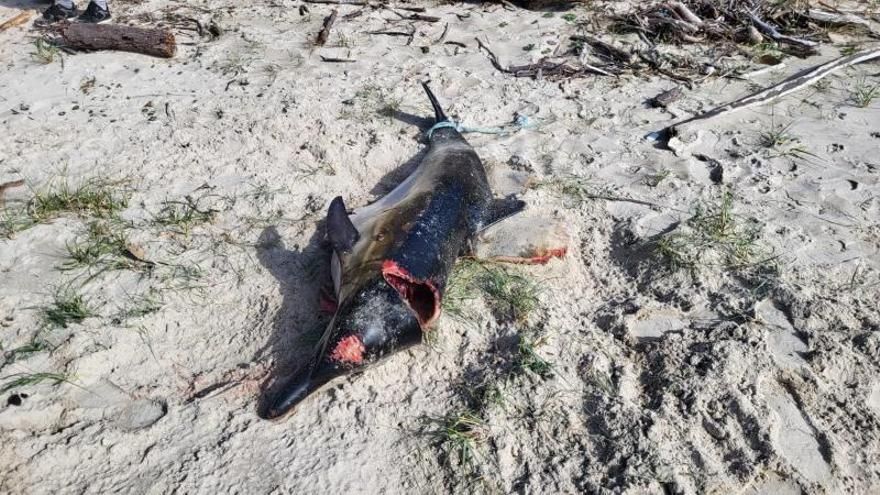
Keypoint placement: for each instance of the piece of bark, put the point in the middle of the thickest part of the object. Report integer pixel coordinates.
(325, 30)
(666, 98)
(82, 36)
(17, 20)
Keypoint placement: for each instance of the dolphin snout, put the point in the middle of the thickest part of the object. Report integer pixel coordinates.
(282, 399)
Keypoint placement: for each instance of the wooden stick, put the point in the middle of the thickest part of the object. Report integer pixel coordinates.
(81, 36)
(16, 21)
(794, 83)
(325, 30)
(773, 33)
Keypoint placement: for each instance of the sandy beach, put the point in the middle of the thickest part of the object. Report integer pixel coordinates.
(713, 328)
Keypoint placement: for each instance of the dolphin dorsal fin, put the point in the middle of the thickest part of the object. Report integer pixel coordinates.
(340, 230)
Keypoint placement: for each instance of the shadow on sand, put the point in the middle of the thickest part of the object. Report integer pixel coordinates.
(298, 324)
(302, 272)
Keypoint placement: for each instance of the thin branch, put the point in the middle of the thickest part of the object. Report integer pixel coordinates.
(790, 85)
(336, 60)
(773, 33)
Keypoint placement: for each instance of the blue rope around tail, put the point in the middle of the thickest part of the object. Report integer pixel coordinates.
(519, 123)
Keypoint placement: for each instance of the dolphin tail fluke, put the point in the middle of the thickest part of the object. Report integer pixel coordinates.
(439, 116)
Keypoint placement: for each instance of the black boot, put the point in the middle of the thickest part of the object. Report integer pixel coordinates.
(95, 14)
(57, 13)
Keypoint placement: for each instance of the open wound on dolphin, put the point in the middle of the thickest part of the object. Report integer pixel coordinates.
(349, 350)
(420, 295)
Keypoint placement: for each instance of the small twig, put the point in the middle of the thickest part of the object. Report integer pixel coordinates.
(325, 30)
(442, 37)
(393, 33)
(492, 57)
(354, 15)
(608, 197)
(336, 60)
(593, 68)
(830, 7)
(425, 18)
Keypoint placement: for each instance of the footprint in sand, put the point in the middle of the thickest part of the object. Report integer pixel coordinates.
(792, 435)
(783, 340)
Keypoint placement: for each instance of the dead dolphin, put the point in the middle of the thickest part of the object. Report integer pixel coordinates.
(391, 260)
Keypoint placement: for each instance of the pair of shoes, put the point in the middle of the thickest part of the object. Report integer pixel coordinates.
(93, 14)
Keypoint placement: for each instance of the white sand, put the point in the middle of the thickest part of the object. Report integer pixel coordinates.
(713, 383)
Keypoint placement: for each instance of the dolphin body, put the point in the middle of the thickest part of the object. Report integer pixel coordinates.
(391, 260)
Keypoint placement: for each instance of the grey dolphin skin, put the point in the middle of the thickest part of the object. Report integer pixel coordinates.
(391, 260)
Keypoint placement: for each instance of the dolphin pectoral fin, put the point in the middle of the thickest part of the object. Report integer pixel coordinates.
(500, 209)
(525, 239)
(340, 230)
(505, 181)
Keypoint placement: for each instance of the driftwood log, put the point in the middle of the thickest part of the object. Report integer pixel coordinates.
(81, 36)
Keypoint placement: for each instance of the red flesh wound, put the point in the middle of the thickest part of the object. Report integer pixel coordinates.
(349, 350)
(420, 295)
